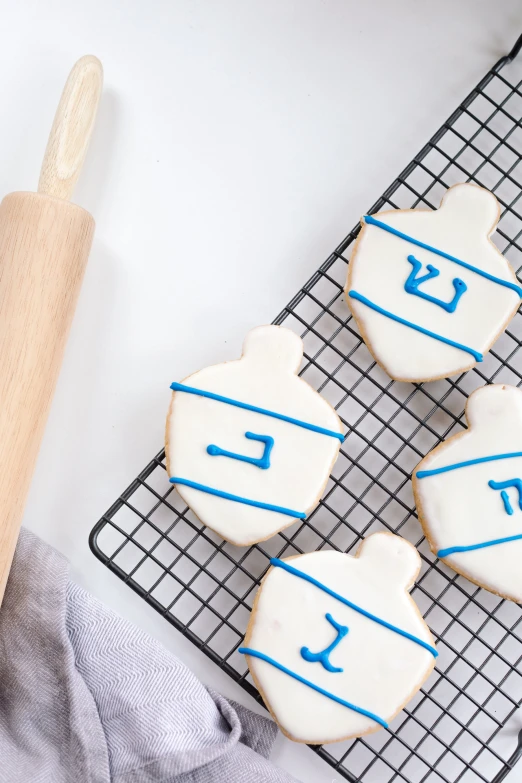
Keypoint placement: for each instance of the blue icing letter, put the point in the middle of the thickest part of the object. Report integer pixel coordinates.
(324, 656)
(262, 462)
(507, 505)
(503, 485)
(411, 286)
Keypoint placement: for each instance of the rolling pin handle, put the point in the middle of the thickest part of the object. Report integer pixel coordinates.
(72, 129)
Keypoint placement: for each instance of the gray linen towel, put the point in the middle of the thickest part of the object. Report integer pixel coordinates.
(85, 697)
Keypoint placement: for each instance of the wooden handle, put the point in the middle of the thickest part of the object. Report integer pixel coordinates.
(72, 129)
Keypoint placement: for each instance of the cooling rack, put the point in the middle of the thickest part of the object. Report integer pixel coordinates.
(463, 724)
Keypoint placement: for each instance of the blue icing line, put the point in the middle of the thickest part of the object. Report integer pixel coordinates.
(507, 505)
(355, 295)
(452, 549)
(516, 483)
(411, 286)
(323, 657)
(236, 498)
(332, 696)
(374, 222)
(261, 462)
(503, 485)
(457, 465)
(291, 570)
(229, 401)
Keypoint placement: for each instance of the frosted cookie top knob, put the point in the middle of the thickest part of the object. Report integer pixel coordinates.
(273, 347)
(471, 209)
(429, 290)
(250, 445)
(468, 493)
(335, 643)
(393, 558)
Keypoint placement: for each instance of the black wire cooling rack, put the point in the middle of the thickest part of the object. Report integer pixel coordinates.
(462, 725)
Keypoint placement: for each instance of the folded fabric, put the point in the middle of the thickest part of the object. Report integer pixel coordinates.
(86, 697)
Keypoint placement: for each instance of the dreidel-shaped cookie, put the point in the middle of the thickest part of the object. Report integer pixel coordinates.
(429, 290)
(250, 445)
(335, 644)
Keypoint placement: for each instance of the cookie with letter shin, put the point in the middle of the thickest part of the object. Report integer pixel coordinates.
(249, 444)
(429, 290)
(468, 493)
(336, 645)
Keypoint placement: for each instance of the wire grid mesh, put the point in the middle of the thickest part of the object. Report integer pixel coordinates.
(452, 730)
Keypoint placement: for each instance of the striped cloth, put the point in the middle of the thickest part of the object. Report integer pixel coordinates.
(85, 697)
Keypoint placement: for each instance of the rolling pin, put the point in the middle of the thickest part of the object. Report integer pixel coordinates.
(44, 246)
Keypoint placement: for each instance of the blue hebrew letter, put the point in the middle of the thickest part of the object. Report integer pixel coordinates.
(324, 655)
(411, 286)
(503, 485)
(262, 462)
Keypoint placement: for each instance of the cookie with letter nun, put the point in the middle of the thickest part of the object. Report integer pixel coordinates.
(249, 444)
(428, 288)
(336, 645)
(468, 493)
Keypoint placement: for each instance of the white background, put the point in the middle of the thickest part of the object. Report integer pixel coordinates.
(237, 144)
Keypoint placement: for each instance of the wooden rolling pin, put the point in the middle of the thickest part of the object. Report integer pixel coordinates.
(44, 246)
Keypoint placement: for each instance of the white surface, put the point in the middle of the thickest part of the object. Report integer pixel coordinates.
(236, 145)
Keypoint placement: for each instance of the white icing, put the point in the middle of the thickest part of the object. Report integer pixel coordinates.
(379, 269)
(301, 460)
(381, 669)
(458, 508)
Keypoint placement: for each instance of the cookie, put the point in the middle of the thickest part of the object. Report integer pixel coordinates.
(250, 445)
(468, 493)
(335, 644)
(429, 291)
